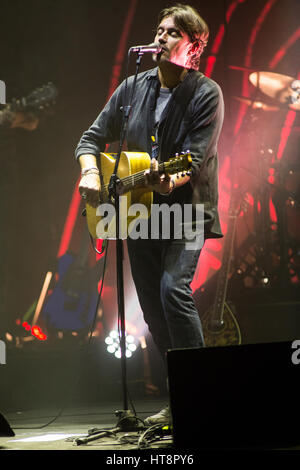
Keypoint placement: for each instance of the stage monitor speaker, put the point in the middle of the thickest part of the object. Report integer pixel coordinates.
(235, 396)
(5, 429)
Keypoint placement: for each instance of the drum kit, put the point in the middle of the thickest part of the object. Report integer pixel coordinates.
(280, 93)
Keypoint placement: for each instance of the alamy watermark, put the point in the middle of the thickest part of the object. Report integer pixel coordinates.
(2, 92)
(2, 352)
(176, 220)
(296, 354)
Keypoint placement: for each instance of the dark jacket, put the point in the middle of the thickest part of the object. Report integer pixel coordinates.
(196, 129)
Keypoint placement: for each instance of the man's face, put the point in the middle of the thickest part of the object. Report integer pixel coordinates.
(174, 42)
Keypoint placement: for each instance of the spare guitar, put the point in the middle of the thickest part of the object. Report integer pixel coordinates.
(72, 303)
(26, 112)
(131, 181)
(220, 327)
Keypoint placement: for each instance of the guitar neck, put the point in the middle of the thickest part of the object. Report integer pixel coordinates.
(218, 308)
(137, 179)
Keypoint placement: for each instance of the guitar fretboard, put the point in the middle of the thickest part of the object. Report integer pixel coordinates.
(139, 179)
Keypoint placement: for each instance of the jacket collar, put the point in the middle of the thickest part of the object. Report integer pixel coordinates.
(152, 73)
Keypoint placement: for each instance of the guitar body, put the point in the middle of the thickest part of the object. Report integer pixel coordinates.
(130, 163)
(225, 332)
(220, 327)
(71, 306)
(135, 198)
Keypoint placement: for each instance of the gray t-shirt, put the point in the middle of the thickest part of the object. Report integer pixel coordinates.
(162, 101)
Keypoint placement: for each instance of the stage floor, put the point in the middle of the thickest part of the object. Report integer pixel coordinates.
(32, 434)
(32, 431)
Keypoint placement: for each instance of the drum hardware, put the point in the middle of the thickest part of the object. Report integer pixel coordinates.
(273, 259)
(257, 105)
(283, 89)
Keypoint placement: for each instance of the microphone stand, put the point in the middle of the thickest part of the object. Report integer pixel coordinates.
(127, 420)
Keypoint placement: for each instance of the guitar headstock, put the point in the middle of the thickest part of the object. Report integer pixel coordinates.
(37, 102)
(179, 163)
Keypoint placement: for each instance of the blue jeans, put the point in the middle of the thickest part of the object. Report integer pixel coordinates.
(162, 271)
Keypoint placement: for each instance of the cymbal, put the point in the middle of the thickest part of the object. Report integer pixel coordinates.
(256, 104)
(276, 86)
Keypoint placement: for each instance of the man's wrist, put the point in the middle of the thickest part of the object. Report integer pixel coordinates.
(90, 170)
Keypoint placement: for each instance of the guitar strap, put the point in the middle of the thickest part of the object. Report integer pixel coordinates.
(174, 113)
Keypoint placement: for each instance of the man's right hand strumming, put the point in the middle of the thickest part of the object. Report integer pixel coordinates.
(89, 185)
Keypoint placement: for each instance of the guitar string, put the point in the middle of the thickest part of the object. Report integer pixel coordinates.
(139, 177)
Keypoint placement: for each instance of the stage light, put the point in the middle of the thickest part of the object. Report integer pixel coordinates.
(113, 344)
(8, 337)
(26, 326)
(35, 331)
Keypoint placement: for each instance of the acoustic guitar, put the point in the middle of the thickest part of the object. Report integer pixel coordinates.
(131, 183)
(23, 112)
(220, 327)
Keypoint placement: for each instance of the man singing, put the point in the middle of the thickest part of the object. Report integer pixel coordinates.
(175, 108)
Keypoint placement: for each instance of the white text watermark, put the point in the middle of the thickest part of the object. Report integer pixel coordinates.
(296, 354)
(2, 92)
(165, 221)
(2, 352)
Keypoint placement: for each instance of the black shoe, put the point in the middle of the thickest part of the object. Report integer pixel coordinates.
(163, 417)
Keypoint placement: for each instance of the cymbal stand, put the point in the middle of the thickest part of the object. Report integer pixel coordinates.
(262, 216)
(280, 199)
(260, 190)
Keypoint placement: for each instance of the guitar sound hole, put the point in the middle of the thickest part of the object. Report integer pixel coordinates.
(216, 326)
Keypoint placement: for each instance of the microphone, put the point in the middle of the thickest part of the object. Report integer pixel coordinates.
(153, 48)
